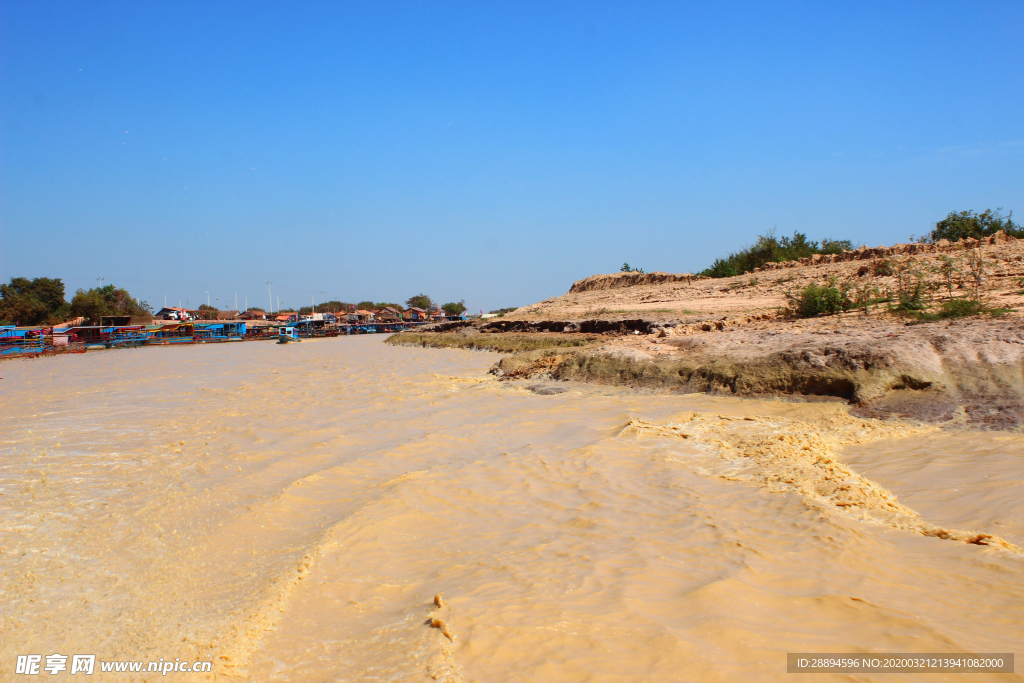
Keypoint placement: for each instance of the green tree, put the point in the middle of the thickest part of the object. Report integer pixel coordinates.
(207, 312)
(455, 308)
(33, 302)
(420, 301)
(967, 224)
(333, 306)
(835, 246)
(109, 300)
(771, 249)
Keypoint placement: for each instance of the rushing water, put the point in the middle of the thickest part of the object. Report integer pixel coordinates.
(290, 513)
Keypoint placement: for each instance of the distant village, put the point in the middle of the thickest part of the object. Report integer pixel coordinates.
(172, 325)
(36, 319)
(353, 315)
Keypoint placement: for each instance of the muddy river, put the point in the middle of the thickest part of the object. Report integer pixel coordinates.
(344, 510)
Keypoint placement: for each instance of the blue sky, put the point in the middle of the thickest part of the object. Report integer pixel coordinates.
(492, 152)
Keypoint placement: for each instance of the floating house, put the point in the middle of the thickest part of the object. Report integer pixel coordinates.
(35, 340)
(180, 333)
(219, 331)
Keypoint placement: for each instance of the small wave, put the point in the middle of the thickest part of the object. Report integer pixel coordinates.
(791, 455)
(273, 603)
(443, 667)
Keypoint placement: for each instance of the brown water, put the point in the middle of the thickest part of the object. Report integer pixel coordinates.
(290, 512)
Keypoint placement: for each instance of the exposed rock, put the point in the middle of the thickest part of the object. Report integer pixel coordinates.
(617, 280)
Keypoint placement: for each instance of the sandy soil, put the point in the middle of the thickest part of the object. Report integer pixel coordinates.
(679, 333)
(671, 297)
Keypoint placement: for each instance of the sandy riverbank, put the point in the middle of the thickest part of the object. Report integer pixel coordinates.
(681, 333)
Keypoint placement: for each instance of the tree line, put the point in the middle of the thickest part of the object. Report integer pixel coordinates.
(771, 249)
(418, 301)
(40, 301)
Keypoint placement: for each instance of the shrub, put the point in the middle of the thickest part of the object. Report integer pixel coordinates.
(911, 287)
(815, 300)
(960, 308)
(867, 296)
(771, 249)
(883, 268)
(958, 226)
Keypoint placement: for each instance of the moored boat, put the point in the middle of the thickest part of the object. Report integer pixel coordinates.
(288, 334)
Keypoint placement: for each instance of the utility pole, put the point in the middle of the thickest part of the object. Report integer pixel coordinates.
(207, 298)
(278, 303)
(270, 297)
(99, 282)
(236, 301)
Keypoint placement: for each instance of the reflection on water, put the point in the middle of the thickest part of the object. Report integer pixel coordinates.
(291, 512)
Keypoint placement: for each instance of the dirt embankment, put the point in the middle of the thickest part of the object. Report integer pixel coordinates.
(692, 298)
(681, 333)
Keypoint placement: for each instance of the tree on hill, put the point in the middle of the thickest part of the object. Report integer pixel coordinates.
(33, 302)
(420, 301)
(957, 226)
(109, 300)
(771, 249)
(455, 308)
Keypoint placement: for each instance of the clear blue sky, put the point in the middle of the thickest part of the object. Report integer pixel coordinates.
(489, 151)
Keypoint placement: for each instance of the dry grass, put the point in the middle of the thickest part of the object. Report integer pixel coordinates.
(502, 343)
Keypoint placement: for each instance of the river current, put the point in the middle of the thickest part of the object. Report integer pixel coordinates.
(345, 510)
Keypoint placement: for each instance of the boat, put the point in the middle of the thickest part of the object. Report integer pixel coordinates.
(219, 332)
(173, 333)
(288, 334)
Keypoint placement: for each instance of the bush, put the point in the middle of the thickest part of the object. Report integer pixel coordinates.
(815, 300)
(960, 308)
(965, 224)
(770, 249)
